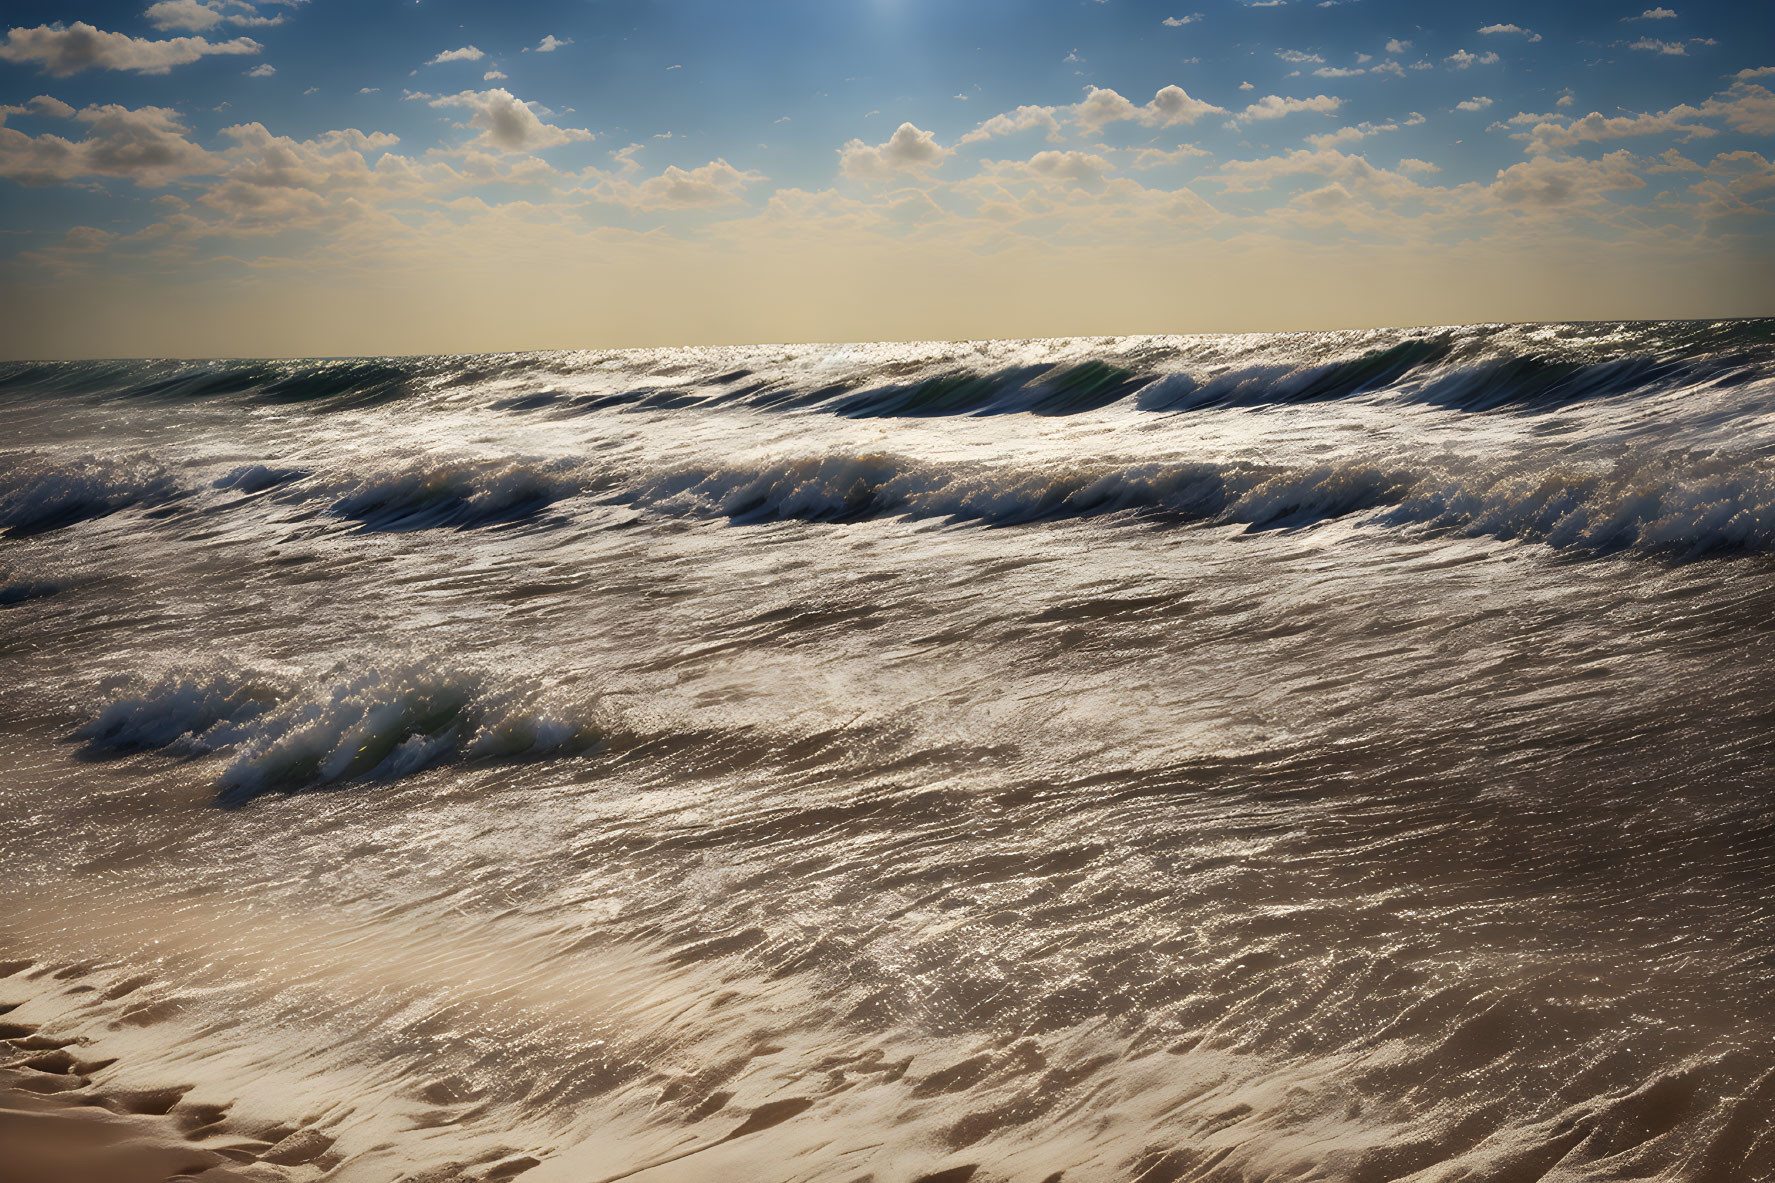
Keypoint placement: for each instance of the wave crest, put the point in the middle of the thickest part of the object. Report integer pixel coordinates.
(1649, 504)
(427, 494)
(38, 494)
(379, 722)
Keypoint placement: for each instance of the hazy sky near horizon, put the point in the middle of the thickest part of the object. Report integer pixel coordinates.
(246, 177)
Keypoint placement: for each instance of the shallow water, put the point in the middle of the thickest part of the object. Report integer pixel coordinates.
(1331, 756)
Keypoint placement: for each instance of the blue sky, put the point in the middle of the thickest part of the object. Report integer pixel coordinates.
(198, 175)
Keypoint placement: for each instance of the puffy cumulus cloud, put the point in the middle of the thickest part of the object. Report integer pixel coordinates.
(146, 145)
(1737, 183)
(1158, 157)
(271, 182)
(1297, 57)
(262, 70)
(1357, 179)
(44, 105)
(193, 16)
(1339, 71)
(1747, 108)
(1476, 103)
(1671, 161)
(1460, 59)
(467, 53)
(1548, 134)
(1275, 106)
(1744, 107)
(716, 183)
(1549, 182)
(507, 123)
(1518, 30)
(1412, 164)
(1394, 45)
(1652, 14)
(1170, 106)
(60, 51)
(1177, 22)
(1023, 118)
(908, 150)
(1051, 167)
(1350, 134)
(550, 43)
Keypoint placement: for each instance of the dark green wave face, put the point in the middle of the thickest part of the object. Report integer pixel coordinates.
(1333, 756)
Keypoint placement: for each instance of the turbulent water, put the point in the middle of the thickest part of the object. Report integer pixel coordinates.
(1334, 756)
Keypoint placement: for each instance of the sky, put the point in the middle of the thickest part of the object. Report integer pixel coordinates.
(321, 178)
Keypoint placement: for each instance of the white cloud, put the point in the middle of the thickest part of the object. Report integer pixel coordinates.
(1177, 22)
(1412, 164)
(1022, 119)
(1476, 103)
(1388, 67)
(1548, 135)
(1565, 100)
(60, 51)
(1493, 30)
(507, 123)
(625, 158)
(1246, 86)
(713, 184)
(1055, 167)
(1349, 134)
(147, 145)
(1653, 14)
(197, 17)
(1749, 109)
(1154, 157)
(550, 43)
(45, 105)
(1673, 48)
(1460, 59)
(1170, 106)
(1338, 72)
(908, 150)
(1394, 45)
(495, 75)
(1275, 106)
(467, 53)
(262, 70)
(1297, 56)
(1549, 182)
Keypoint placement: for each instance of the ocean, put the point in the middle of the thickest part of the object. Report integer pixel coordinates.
(1319, 756)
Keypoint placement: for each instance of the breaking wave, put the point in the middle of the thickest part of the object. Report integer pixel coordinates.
(38, 494)
(376, 722)
(430, 494)
(1653, 504)
(1037, 390)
